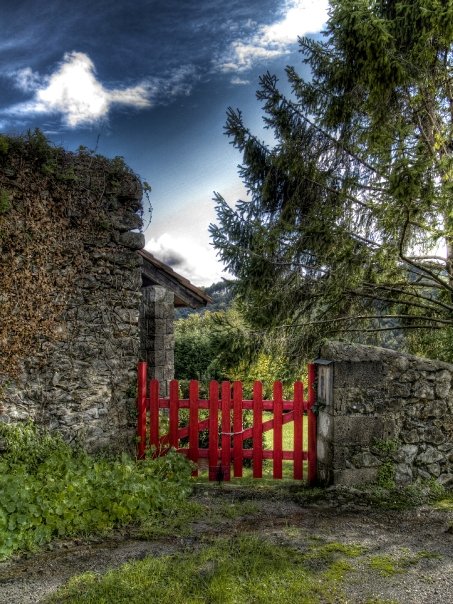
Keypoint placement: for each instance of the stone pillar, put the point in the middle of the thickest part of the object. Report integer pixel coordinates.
(157, 342)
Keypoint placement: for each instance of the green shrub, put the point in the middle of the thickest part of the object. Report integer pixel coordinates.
(52, 490)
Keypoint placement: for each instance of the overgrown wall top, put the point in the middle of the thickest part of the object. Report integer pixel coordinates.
(70, 290)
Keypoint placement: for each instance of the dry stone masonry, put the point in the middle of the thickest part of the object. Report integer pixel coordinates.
(380, 410)
(80, 379)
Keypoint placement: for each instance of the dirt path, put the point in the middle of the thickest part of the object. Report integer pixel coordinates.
(417, 542)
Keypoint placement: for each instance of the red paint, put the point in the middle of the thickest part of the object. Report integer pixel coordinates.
(298, 467)
(193, 423)
(213, 429)
(257, 430)
(154, 416)
(225, 454)
(174, 414)
(237, 429)
(278, 422)
(232, 433)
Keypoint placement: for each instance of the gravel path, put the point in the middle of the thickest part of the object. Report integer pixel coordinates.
(419, 536)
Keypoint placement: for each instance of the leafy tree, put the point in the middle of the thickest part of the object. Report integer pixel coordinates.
(195, 354)
(350, 204)
(209, 346)
(219, 346)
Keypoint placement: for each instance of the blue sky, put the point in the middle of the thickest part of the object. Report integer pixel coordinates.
(151, 80)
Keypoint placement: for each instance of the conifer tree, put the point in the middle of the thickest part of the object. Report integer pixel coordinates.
(349, 226)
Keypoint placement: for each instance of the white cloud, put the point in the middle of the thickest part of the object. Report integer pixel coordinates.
(179, 236)
(178, 82)
(74, 91)
(188, 257)
(270, 41)
(237, 81)
(26, 80)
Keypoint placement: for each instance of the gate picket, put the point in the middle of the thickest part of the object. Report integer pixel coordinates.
(257, 462)
(174, 415)
(298, 471)
(213, 429)
(278, 437)
(154, 416)
(193, 423)
(231, 406)
(226, 432)
(237, 429)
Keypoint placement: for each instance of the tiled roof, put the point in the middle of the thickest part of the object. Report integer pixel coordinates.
(156, 272)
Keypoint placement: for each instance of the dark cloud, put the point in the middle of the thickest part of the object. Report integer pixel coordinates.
(172, 258)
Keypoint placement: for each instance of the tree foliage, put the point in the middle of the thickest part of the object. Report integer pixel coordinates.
(349, 226)
(220, 346)
(221, 299)
(210, 346)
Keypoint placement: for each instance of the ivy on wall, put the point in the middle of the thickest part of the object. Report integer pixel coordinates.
(52, 204)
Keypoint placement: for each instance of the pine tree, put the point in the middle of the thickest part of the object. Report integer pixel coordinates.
(349, 205)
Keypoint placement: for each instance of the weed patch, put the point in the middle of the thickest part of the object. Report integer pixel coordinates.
(387, 566)
(172, 522)
(52, 490)
(392, 497)
(445, 502)
(331, 557)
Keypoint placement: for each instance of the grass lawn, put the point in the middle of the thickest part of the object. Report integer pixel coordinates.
(252, 563)
(227, 571)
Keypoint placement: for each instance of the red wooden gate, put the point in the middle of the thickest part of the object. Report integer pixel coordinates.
(226, 445)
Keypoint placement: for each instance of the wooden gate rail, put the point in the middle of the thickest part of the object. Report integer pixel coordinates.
(232, 433)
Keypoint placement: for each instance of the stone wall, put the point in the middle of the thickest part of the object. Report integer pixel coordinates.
(382, 411)
(157, 339)
(80, 379)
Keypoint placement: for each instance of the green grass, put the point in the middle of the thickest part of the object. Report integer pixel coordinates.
(174, 521)
(233, 510)
(229, 571)
(239, 568)
(446, 502)
(388, 566)
(177, 522)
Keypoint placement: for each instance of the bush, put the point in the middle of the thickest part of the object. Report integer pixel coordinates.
(52, 490)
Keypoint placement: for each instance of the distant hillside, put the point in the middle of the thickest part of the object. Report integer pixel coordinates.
(221, 295)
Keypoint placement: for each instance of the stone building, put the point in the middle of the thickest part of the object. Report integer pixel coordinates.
(81, 302)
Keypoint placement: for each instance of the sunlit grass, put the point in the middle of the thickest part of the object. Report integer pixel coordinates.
(446, 502)
(387, 565)
(232, 570)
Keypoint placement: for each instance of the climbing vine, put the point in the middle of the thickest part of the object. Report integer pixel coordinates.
(53, 203)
